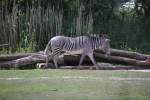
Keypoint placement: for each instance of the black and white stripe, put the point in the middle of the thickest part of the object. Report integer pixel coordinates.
(87, 44)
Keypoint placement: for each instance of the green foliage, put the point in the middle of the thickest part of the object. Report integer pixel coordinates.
(3, 51)
(143, 7)
(27, 25)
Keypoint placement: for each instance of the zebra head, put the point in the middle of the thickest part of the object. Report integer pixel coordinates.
(105, 43)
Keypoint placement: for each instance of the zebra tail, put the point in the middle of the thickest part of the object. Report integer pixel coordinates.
(47, 49)
(46, 53)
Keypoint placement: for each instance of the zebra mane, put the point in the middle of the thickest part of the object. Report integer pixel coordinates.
(92, 35)
(98, 36)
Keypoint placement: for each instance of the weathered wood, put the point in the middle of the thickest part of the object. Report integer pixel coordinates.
(4, 45)
(110, 59)
(127, 54)
(32, 59)
(14, 56)
(114, 52)
(117, 56)
(44, 65)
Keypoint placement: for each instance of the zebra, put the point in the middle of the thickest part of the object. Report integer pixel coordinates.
(83, 44)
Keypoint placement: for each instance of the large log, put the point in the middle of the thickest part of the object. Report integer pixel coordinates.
(4, 45)
(127, 63)
(127, 54)
(34, 58)
(117, 56)
(14, 56)
(114, 52)
(110, 59)
(23, 61)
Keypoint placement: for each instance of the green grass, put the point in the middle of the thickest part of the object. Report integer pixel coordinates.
(73, 85)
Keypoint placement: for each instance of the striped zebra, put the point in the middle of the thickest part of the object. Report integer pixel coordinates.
(83, 44)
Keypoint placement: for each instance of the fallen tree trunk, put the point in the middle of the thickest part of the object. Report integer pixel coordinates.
(22, 61)
(114, 52)
(117, 57)
(4, 45)
(127, 54)
(14, 56)
(29, 60)
(110, 59)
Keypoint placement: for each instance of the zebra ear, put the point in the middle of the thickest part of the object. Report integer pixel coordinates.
(104, 36)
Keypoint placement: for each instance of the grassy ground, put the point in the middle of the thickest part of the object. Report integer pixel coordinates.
(74, 85)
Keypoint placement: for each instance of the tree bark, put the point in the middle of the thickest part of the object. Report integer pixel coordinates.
(116, 57)
(33, 58)
(114, 52)
(109, 59)
(14, 56)
(127, 54)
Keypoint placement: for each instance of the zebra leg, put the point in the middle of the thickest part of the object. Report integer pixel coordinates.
(55, 63)
(47, 60)
(93, 60)
(81, 59)
(55, 55)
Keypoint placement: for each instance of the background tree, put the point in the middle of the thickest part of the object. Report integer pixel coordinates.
(27, 25)
(143, 7)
